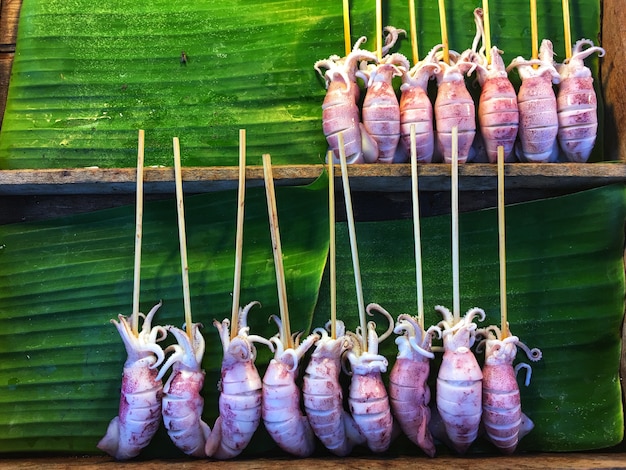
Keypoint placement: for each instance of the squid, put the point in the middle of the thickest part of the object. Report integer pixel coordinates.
(323, 395)
(340, 111)
(416, 109)
(368, 399)
(240, 390)
(459, 382)
(283, 420)
(408, 389)
(182, 403)
(502, 416)
(538, 119)
(577, 104)
(142, 390)
(498, 112)
(454, 106)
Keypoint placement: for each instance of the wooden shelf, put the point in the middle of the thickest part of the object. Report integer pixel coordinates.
(386, 178)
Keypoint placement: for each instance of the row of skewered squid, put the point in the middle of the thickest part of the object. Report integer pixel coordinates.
(466, 395)
(534, 125)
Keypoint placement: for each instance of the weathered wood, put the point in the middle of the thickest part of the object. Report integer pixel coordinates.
(613, 78)
(473, 177)
(9, 15)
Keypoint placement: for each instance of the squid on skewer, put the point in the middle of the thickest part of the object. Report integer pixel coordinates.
(240, 390)
(409, 393)
(368, 399)
(503, 419)
(459, 382)
(538, 119)
(282, 417)
(577, 104)
(142, 389)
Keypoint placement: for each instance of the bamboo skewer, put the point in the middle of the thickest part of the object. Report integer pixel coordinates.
(502, 244)
(416, 230)
(138, 232)
(182, 237)
(534, 29)
(444, 31)
(413, 25)
(346, 26)
(456, 298)
(353, 245)
(567, 30)
(379, 29)
(332, 246)
(241, 195)
(277, 250)
(487, 31)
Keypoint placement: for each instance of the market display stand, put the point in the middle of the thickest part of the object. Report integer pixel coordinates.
(381, 191)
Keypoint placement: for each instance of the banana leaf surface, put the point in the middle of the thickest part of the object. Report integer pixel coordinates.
(88, 74)
(63, 280)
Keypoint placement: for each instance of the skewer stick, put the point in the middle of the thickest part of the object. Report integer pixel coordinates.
(456, 298)
(444, 31)
(416, 230)
(138, 232)
(413, 24)
(277, 249)
(502, 244)
(332, 246)
(379, 29)
(534, 30)
(346, 26)
(241, 195)
(567, 30)
(181, 236)
(487, 30)
(353, 246)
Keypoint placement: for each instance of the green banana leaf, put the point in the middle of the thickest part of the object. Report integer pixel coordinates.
(61, 281)
(88, 74)
(565, 295)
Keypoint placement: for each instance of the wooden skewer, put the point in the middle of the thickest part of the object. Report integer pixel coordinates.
(379, 29)
(567, 30)
(277, 250)
(353, 245)
(416, 230)
(444, 31)
(178, 179)
(487, 30)
(346, 26)
(502, 244)
(241, 195)
(456, 298)
(534, 29)
(138, 232)
(332, 254)
(413, 24)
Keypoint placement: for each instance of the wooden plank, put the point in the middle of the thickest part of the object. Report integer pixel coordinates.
(433, 177)
(9, 16)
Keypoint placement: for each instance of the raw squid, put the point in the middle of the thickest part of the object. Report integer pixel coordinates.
(282, 417)
(416, 108)
(504, 422)
(498, 113)
(140, 401)
(459, 383)
(538, 120)
(577, 104)
(340, 112)
(368, 399)
(182, 402)
(454, 106)
(408, 390)
(323, 396)
(240, 387)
